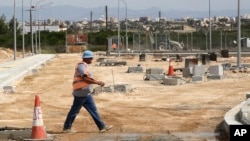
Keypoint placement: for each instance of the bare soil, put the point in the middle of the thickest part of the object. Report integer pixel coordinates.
(193, 111)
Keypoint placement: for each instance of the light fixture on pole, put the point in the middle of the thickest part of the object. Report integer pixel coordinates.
(239, 37)
(126, 23)
(14, 18)
(39, 32)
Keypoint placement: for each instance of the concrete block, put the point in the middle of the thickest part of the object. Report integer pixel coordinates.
(205, 58)
(215, 77)
(187, 72)
(199, 70)
(226, 66)
(215, 70)
(97, 90)
(135, 69)
(43, 64)
(197, 78)
(154, 77)
(8, 89)
(142, 57)
(108, 89)
(154, 71)
(34, 71)
(191, 62)
(120, 63)
(248, 95)
(112, 63)
(15, 134)
(173, 81)
(124, 88)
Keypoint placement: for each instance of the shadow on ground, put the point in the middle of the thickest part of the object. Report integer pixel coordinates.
(220, 128)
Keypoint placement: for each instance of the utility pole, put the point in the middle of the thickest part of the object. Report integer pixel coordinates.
(239, 37)
(210, 30)
(159, 17)
(126, 24)
(23, 25)
(118, 28)
(14, 30)
(90, 28)
(31, 32)
(106, 10)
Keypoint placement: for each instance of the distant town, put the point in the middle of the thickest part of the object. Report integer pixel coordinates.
(187, 24)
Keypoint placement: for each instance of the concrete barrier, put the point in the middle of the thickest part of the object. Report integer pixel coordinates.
(17, 70)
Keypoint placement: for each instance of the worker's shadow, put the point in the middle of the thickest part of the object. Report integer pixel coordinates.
(61, 132)
(221, 131)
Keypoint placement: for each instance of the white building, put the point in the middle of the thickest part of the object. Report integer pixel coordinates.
(42, 28)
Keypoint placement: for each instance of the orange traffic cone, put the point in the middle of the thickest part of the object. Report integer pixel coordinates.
(38, 131)
(170, 68)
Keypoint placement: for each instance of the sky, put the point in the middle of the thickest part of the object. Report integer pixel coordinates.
(195, 5)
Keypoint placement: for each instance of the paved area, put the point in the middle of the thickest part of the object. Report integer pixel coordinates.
(16, 70)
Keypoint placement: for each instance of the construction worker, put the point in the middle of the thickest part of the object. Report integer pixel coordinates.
(82, 94)
(114, 46)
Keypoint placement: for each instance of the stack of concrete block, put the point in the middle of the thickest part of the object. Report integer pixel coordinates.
(108, 89)
(137, 69)
(226, 66)
(153, 74)
(215, 72)
(174, 81)
(112, 63)
(123, 88)
(199, 72)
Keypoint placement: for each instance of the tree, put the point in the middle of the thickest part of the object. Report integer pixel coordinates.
(3, 25)
(11, 26)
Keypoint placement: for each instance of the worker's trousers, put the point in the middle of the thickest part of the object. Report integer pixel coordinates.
(89, 104)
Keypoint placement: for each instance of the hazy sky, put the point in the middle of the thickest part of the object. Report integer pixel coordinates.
(200, 5)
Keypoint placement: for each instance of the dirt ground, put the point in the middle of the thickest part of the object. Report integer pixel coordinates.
(193, 111)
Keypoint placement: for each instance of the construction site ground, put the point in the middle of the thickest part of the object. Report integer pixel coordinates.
(151, 111)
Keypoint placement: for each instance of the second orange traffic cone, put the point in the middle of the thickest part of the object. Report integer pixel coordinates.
(170, 68)
(38, 131)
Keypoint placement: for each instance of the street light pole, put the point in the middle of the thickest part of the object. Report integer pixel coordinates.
(206, 40)
(210, 32)
(126, 24)
(14, 30)
(239, 37)
(37, 16)
(221, 39)
(118, 42)
(23, 31)
(31, 31)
